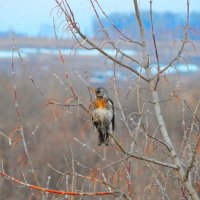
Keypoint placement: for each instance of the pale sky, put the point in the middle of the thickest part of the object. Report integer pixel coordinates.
(26, 16)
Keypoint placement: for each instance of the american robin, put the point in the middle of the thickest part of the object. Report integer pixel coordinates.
(102, 111)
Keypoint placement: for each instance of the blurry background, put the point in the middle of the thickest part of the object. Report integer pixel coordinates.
(50, 130)
(35, 18)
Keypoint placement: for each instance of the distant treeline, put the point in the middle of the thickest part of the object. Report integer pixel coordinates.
(166, 25)
(10, 33)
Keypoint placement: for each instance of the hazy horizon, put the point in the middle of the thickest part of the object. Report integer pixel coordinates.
(32, 17)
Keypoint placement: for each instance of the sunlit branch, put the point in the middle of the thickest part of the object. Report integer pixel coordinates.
(58, 192)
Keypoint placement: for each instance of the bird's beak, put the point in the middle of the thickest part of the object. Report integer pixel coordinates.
(93, 90)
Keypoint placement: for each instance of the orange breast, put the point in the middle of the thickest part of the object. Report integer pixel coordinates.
(101, 103)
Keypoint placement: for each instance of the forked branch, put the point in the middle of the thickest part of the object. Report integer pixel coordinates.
(75, 29)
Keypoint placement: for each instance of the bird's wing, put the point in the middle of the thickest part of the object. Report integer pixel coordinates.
(91, 107)
(95, 123)
(113, 119)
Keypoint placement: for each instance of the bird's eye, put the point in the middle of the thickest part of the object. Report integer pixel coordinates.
(98, 91)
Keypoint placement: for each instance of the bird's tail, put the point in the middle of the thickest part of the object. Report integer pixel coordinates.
(103, 136)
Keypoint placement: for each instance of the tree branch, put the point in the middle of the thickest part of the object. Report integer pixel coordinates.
(70, 19)
(140, 157)
(59, 192)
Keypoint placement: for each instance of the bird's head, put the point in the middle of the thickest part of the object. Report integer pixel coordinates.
(101, 93)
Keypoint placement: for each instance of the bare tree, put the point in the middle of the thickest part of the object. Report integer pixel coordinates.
(152, 80)
(148, 146)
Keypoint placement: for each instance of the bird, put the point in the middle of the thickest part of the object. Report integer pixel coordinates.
(103, 117)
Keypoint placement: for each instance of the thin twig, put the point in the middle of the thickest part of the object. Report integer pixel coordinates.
(20, 119)
(192, 161)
